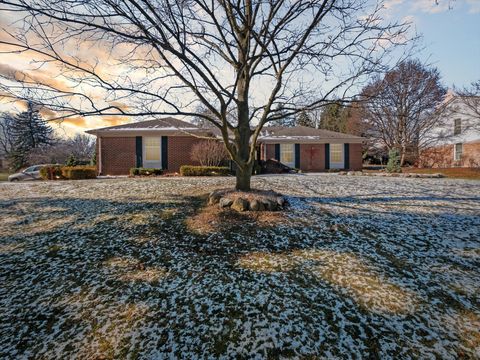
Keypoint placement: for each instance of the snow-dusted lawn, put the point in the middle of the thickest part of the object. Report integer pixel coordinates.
(359, 266)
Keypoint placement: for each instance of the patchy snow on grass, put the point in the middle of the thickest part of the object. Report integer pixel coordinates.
(356, 267)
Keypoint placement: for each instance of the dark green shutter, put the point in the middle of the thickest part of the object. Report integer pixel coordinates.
(277, 152)
(164, 152)
(346, 156)
(297, 156)
(138, 151)
(327, 156)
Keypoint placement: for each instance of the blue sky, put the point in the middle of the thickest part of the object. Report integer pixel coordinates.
(451, 35)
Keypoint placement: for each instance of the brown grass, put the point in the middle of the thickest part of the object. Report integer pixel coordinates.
(454, 173)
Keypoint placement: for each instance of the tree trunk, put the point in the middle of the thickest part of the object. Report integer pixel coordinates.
(402, 156)
(244, 175)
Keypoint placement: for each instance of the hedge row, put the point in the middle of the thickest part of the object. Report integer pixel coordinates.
(188, 170)
(145, 171)
(68, 172)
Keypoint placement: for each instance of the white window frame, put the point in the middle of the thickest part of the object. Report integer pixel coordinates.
(337, 148)
(157, 164)
(455, 126)
(284, 149)
(457, 156)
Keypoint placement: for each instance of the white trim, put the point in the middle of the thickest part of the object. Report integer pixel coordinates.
(99, 155)
(455, 152)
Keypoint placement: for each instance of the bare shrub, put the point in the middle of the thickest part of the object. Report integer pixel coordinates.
(209, 152)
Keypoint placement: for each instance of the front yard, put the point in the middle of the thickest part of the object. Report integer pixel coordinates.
(357, 267)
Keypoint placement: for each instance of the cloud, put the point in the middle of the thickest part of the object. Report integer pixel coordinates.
(474, 6)
(430, 6)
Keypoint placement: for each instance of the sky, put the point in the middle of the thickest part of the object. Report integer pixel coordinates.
(450, 41)
(451, 36)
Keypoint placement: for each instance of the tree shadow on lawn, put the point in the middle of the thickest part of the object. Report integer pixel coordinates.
(121, 278)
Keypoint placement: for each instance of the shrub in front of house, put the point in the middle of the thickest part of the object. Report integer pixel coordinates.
(51, 173)
(79, 172)
(145, 171)
(189, 170)
(393, 165)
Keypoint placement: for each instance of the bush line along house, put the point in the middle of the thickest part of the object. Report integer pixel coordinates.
(167, 144)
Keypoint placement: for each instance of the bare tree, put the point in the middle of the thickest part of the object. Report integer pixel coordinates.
(400, 107)
(259, 60)
(81, 146)
(209, 153)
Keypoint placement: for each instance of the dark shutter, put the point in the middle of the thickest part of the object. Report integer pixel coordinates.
(346, 156)
(297, 156)
(138, 151)
(277, 152)
(164, 152)
(327, 156)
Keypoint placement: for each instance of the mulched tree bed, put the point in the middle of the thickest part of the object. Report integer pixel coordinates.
(255, 200)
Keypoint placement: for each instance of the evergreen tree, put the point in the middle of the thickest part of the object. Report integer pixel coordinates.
(304, 119)
(334, 118)
(29, 131)
(393, 165)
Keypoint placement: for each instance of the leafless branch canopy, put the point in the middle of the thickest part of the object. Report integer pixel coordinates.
(258, 59)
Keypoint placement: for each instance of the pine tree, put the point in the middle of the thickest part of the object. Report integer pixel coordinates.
(304, 119)
(29, 131)
(334, 117)
(393, 165)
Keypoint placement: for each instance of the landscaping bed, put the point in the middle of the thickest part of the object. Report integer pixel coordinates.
(364, 267)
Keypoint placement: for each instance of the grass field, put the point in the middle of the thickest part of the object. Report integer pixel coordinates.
(355, 268)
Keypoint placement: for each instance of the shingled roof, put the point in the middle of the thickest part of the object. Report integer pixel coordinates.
(269, 134)
(168, 123)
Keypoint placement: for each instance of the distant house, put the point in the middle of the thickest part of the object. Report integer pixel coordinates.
(457, 139)
(167, 143)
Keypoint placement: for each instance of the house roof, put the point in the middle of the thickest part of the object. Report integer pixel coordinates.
(304, 134)
(164, 124)
(271, 134)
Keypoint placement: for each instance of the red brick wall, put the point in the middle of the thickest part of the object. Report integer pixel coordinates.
(118, 155)
(355, 155)
(312, 156)
(270, 151)
(443, 156)
(471, 154)
(179, 152)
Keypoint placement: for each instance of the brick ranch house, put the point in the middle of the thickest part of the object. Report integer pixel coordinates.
(167, 144)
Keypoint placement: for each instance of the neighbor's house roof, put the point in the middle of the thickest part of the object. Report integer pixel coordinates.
(272, 134)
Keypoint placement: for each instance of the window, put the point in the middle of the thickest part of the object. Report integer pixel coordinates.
(287, 156)
(152, 148)
(30, 169)
(457, 129)
(458, 152)
(336, 153)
